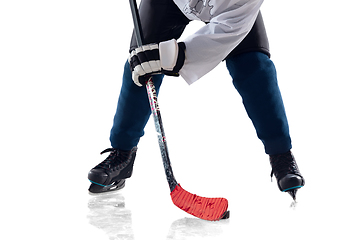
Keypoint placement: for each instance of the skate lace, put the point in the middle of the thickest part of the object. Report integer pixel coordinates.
(115, 158)
(283, 164)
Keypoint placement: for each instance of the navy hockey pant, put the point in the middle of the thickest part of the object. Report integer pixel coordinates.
(254, 77)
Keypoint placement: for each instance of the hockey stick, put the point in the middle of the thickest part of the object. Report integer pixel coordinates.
(211, 209)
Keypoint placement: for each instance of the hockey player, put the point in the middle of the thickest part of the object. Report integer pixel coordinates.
(234, 32)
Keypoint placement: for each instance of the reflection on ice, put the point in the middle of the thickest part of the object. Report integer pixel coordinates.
(293, 205)
(108, 213)
(194, 228)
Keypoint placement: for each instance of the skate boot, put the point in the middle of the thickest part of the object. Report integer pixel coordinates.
(287, 173)
(110, 174)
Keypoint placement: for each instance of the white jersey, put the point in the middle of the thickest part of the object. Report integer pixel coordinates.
(229, 21)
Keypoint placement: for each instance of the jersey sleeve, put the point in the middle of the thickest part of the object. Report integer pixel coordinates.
(206, 48)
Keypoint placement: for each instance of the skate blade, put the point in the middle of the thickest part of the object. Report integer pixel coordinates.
(96, 188)
(292, 191)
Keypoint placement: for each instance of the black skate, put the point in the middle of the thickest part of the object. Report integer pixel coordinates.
(287, 173)
(110, 174)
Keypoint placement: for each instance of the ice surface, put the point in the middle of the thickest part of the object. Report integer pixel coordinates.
(108, 213)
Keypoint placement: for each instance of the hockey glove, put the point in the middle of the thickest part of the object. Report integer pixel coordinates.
(165, 58)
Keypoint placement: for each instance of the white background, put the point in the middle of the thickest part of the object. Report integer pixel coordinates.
(60, 70)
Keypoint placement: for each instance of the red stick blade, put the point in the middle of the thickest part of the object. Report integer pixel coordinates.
(211, 209)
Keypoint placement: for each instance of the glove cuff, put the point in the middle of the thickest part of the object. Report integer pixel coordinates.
(172, 56)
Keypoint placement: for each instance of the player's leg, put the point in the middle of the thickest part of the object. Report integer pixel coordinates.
(254, 77)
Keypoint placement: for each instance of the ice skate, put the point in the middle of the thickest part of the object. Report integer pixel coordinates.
(287, 173)
(110, 174)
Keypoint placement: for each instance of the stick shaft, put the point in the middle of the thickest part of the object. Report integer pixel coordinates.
(137, 24)
(154, 105)
(161, 134)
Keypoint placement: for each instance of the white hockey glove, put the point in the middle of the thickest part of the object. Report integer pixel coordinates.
(167, 58)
